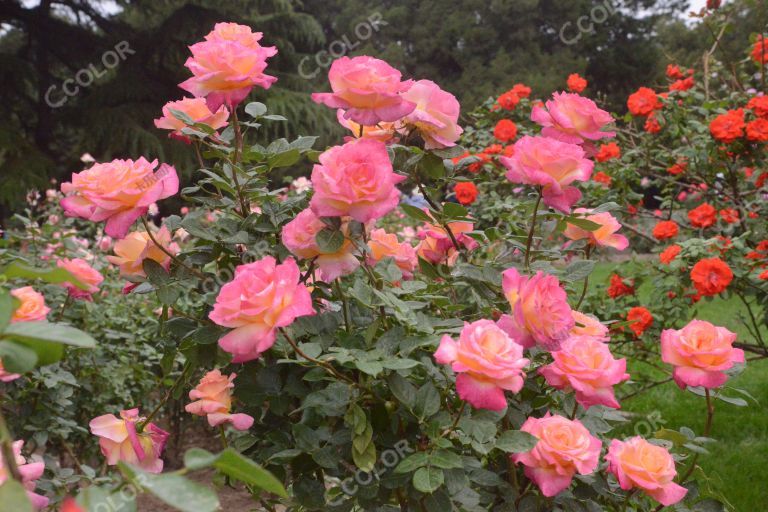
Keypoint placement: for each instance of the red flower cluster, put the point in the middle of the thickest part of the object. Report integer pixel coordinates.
(643, 102)
(728, 127)
(760, 50)
(759, 105)
(669, 254)
(466, 192)
(679, 167)
(505, 130)
(682, 85)
(508, 100)
(703, 216)
(576, 83)
(729, 215)
(652, 124)
(757, 130)
(665, 230)
(618, 288)
(608, 152)
(640, 320)
(711, 276)
(602, 178)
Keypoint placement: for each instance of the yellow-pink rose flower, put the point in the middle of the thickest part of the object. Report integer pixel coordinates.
(565, 447)
(212, 398)
(32, 306)
(386, 245)
(197, 109)
(120, 440)
(85, 274)
(29, 471)
(436, 115)
(636, 463)
(604, 236)
(586, 325)
(134, 249)
(700, 353)
(118, 192)
(227, 65)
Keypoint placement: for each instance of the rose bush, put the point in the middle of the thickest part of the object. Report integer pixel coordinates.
(385, 351)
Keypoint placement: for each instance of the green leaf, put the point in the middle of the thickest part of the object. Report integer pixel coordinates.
(445, 460)
(241, 468)
(583, 223)
(516, 441)
(255, 109)
(412, 462)
(454, 211)
(197, 458)
(427, 401)
(329, 241)
(56, 275)
(17, 358)
(51, 332)
(13, 497)
(671, 435)
(284, 159)
(182, 116)
(403, 390)
(173, 489)
(428, 479)
(155, 272)
(416, 213)
(6, 309)
(433, 165)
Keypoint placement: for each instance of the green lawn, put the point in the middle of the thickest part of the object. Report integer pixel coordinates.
(737, 461)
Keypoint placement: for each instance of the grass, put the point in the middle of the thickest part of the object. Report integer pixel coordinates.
(736, 461)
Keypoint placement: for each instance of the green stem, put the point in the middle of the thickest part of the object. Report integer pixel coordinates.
(140, 426)
(344, 306)
(6, 448)
(532, 230)
(444, 225)
(223, 436)
(707, 429)
(167, 252)
(586, 280)
(327, 366)
(244, 209)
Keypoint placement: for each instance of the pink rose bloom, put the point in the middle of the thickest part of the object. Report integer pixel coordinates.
(551, 164)
(586, 325)
(197, 110)
(5, 376)
(436, 245)
(700, 353)
(436, 115)
(487, 362)
(572, 118)
(213, 398)
(370, 90)
(105, 243)
(384, 132)
(586, 366)
(540, 311)
(85, 274)
(32, 307)
(263, 297)
(131, 251)
(119, 192)
(120, 440)
(604, 236)
(30, 472)
(386, 245)
(355, 179)
(227, 65)
(298, 236)
(565, 447)
(636, 463)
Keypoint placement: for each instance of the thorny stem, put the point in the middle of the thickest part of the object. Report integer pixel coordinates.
(532, 230)
(6, 448)
(456, 420)
(140, 426)
(235, 159)
(327, 366)
(707, 429)
(344, 306)
(167, 252)
(586, 279)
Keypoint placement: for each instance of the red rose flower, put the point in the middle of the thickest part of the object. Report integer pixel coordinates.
(760, 181)
(729, 126)
(576, 83)
(601, 177)
(729, 215)
(760, 50)
(508, 100)
(669, 254)
(702, 216)
(711, 276)
(608, 152)
(682, 85)
(763, 275)
(757, 130)
(673, 71)
(643, 102)
(652, 125)
(665, 230)
(522, 90)
(505, 130)
(640, 319)
(759, 105)
(618, 288)
(678, 168)
(466, 192)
